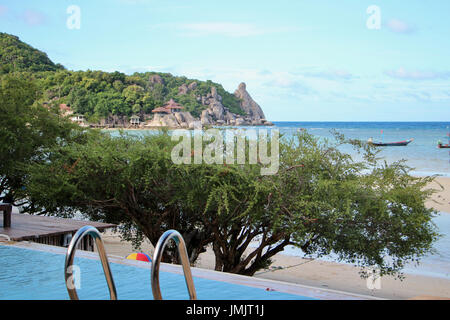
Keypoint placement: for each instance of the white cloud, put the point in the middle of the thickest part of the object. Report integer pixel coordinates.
(331, 74)
(3, 10)
(226, 29)
(312, 83)
(33, 17)
(399, 26)
(404, 74)
(134, 1)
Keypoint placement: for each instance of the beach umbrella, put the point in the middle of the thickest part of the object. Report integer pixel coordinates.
(139, 257)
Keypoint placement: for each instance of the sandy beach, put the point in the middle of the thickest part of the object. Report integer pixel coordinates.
(441, 199)
(323, 274)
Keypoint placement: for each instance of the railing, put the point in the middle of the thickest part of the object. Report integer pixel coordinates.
(8, 238)
(68, 268)
(7, 209)
(156, 261)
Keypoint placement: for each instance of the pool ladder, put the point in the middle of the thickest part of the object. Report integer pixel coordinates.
(182, 252)
(156, 261)
(70, 256)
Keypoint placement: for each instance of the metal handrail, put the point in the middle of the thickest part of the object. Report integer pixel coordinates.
(87, 230)
(156, 261)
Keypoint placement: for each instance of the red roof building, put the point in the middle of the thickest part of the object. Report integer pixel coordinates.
(161, 110)
(65, 109)
(169, 107)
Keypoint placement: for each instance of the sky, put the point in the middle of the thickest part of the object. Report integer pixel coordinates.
(302, 60)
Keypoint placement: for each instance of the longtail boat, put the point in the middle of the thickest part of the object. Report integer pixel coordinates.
(444, 146)
(390, 144)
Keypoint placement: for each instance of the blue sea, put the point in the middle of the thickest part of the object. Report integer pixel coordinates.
(422, 154)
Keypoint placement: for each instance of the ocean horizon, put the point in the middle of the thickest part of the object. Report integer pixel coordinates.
(422, 155)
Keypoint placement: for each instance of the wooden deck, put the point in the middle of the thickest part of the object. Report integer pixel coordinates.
(47, 230)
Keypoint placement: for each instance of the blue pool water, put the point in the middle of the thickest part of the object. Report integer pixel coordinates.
(30, 274)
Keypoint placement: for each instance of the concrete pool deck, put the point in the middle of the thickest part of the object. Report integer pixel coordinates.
(265, 284)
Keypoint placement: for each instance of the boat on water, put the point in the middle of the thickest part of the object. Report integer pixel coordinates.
(443, 146)
(390, 144)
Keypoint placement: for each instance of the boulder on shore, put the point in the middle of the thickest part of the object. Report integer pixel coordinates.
(215, 112)
(250, 107)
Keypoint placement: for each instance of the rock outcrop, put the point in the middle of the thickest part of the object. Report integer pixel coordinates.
(185, 89)
(250, 107)
(215, 113)
(154, 79)
(193, 85)
(173, 120)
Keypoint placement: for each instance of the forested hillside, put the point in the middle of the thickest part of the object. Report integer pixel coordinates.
(97, 94)
(16, 55)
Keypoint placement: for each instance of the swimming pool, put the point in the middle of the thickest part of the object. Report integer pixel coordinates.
(36, 272)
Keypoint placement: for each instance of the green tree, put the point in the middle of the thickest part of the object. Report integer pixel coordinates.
(16, 55)
(118, 85)
(79, 100)
(148, 103)
(26, 130)
(110, 102)
(321, 201)
(134, 96)
(158, 94)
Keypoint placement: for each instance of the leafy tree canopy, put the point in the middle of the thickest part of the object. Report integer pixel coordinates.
(26, 130)
(16, 55)
(320, 201)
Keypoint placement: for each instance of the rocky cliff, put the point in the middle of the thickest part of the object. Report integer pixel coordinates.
(250, 107)
(173, 120)
(214, 113)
